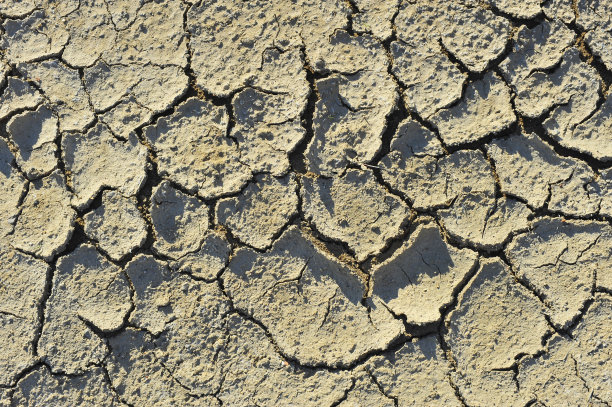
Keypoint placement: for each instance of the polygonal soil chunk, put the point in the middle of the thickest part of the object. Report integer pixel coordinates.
(536, 49)
(484, 110)
(417, 167)
(255, 374)
(483, 221)
(116, 225)
(570, 93)
(34, 134)
(419, 280)
(41, 388)
(268, 125)
(18, 95)
(349, 54)
(475, 36)
(63, 88)
(530, 169)
(375, 17)
(261, 210)
(594, 136)
(23, 284)
(12, 187)
(17, 8)
(294, 281)
(88, 293)
(208, 261)
(416, 374)
(432, 81)
(123, 12)
(156, 37)
(97, 159)
(46, 221)
(193, 150)
(140, 378)
(559, 260)
(598, 40)
(179, 221)
(91, 33)
(552, 376)
(354, 209)
(524, 9)
(560, 10)
(485, 340)
(349, 120)
(35, 37)
(365, 393)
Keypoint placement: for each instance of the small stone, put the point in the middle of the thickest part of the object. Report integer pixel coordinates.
(116, 225)
(34, 133)
(419, 280)
(179, 221)
(258, 214)
(97, 160)
(354, 209)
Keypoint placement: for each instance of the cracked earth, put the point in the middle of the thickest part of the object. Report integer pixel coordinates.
(306, 203)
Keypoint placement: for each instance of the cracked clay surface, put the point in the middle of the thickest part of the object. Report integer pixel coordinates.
(309, 203)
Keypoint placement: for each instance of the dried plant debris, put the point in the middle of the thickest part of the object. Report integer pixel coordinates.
(305, 203)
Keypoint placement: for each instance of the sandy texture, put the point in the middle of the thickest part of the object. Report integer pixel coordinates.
(309, 203)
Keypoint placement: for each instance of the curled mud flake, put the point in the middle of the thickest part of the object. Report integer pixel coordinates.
(41, 388)
(294, 281)
(208, 262)
(417, 167)
(260, 211)
(18, 95)
(593, 13)
(193, 150)
(593, 136)
(485, 341)
(484, 110)
(97, 159)
(375, 17)
(536, 49)
(475, 36)
(421, 277)
(179, 221)
(365, 392)
(560, 260)
(45, 223)
(349, 54)
(523, 9)
(559, 10)
(529, 168)
(349, 120)
(570, 93)
(91, 33)
(432, 81)
(23, 283)
(416, 374)
(354, 209)
(89, 295)
(17, 8)
(63, 88)
(155, 37)
(12, 187)
(116, 225)
(484, 222)
(140, 379)
(34, 134)
(37, 36)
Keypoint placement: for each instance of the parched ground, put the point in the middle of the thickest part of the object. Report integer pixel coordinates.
(306, 203)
